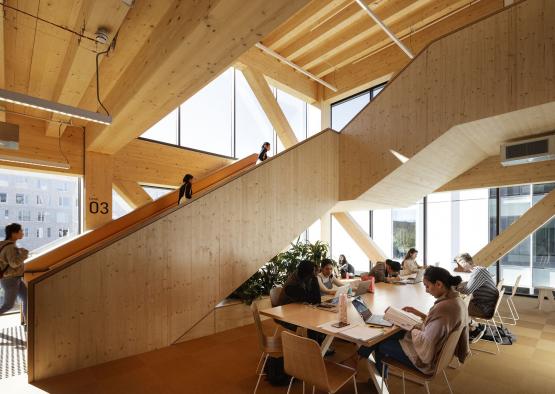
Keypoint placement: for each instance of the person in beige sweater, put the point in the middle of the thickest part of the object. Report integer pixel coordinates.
(11, 266)
(409, 265)
(420, 347)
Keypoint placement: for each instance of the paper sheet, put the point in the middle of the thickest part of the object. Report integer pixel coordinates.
(363, 332)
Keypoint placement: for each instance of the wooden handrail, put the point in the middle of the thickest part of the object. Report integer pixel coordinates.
(85, 242)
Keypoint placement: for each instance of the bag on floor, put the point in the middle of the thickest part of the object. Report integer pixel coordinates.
(275, 373)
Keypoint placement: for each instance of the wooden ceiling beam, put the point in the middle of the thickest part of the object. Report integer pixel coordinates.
(131, 192)
(80, 56)
(313, 14)
(359, 236)
(280, 75)
(382, 65)
(271, 108)
(192, 45)
(535, 217)
(363, 39)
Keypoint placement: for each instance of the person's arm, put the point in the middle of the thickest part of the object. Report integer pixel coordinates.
(337, 282)
(15, 256)
(415, 311)
(477, 279)
(426, 339)
(181, 192)
(189, 190)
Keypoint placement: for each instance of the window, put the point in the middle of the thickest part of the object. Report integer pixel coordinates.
(62, 232)
(120, 207)
(165, 130)
(26, 232)
(3, 197)
(6, 213)
(24, 215)
(207, 117)
(156, 192)
(40, 216)
(39, 200)
(294, 110)
(40, 232)
(49, 232)
(314, 120)
(344, 111)
(20, 198)
(61, 217)
(64, 201)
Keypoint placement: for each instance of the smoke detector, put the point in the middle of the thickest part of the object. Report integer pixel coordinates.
(101, 35)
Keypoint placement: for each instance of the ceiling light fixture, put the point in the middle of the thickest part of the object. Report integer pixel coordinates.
(34, 162)
(50, 106)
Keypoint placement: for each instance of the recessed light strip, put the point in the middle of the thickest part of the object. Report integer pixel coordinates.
(46, 105)
(34, 162)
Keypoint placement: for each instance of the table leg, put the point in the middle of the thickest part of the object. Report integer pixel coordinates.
(326, 344)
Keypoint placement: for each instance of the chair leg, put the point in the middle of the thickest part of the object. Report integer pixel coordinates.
(354, 383)
(493, 334)
(259, 361)
(383, 377)
(290, 383)
(313, 389)
(303, 386)
(260, 374)
(514, 308)
(427, 387)
(447, 380)
(403, 376)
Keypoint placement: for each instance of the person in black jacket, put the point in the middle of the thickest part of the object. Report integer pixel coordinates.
(263, 155)
(301, 286)
(186, 189)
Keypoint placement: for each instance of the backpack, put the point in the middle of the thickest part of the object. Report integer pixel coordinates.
(275, 373)
(3, 270)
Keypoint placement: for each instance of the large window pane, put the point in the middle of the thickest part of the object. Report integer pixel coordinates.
(156, 192)
(207, 117)
(251, 124)
(407, 226)
(343, 112)
(543, 244)
(342, 243)
(120, 207)
(294, 110)
(165, 130)
(314, 120)
(47, 206)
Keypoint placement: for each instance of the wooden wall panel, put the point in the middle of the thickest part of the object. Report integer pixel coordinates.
(153, 285)
(452, 106)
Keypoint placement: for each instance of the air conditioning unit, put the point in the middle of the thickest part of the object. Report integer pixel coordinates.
(528, 151)
(9, 136)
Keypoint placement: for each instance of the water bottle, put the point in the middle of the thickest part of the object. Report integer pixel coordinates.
(372, 285)
(343, 309)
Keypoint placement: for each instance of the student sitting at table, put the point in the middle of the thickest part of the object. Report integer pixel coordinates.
(386, 272)
(409, 263)
(464, 263)
(326, 279)
(301, 286)
(484, 294)
(420, 347)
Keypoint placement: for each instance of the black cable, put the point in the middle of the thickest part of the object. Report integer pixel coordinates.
(98, 79)
(50, 23)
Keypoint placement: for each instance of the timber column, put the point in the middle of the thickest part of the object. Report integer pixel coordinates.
(98, 189)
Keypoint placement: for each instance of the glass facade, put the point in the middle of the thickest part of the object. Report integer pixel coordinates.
(225, 118)
(343, 111)
(156, 192)
(47, 206)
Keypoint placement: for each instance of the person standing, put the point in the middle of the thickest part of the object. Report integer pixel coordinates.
(263, 155)
(186, 189)
(11, 266)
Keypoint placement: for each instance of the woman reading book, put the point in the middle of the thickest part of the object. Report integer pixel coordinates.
(420, 345)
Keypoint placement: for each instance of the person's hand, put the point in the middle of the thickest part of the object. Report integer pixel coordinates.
(414, 311)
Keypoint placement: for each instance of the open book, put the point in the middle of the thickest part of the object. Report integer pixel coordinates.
(401, 318)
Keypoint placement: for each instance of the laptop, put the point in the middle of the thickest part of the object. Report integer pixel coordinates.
(367, 316)
(338, 292)
(417, 279)
(362, 287)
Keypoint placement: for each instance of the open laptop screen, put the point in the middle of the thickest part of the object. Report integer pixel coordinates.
(362, 309)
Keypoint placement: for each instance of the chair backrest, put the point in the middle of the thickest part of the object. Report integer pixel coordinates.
(500, 285)
(448, 350)
(274, 295)
(515, 286)
(258, 325)
(498, 302)
(302, 359)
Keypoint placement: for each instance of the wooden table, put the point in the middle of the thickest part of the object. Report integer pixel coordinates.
(386, 295)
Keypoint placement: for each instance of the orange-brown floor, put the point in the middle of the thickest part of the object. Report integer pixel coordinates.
(225, 363)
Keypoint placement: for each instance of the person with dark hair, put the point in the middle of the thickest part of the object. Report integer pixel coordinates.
(186, 189)
(301, 286)
(345, 267)
(326, 279)
(484, 294)
(420, 347)
(409, 265)
(263, 155)
(386, 272)
(11, 267)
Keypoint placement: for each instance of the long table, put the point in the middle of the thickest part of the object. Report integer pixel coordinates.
(385, 295)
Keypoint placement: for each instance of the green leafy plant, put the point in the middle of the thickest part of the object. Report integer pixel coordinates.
(277, 270)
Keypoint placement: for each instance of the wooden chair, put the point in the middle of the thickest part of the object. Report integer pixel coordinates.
(511, 305)
(491, 323)
(269, 345)
(445, 357)
(303, 360)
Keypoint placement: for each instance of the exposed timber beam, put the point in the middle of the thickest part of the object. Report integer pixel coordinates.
(530, 221)
(269, 104)
(280, 75)
(490, 173)
(131, 192)
(80, 62)
(2, 63)
(383, 64)
(185, 53)
(359, 236)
